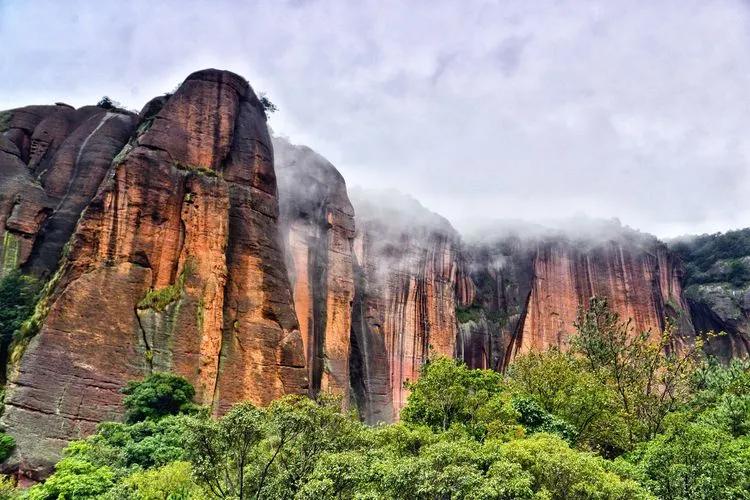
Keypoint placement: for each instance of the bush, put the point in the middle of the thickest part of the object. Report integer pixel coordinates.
(158, 395)
(7, 443)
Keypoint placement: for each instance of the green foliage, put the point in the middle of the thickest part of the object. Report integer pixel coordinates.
(547, 430)
(535, 419)
(172, 481)
(158, 395)
(564, 473)
(107, 103)
(7, 443)
(18, 294)
(448, 394)
(268, 106)
(702, 253)
(158, 299)
(695, 460)
(271, 452)
(197, 169)
(74, 478)
(649, 376)
(466, 314)
(562, 385)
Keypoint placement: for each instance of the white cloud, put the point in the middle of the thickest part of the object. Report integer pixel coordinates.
(531, 110)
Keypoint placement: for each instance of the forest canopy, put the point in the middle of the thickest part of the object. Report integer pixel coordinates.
(614, 416)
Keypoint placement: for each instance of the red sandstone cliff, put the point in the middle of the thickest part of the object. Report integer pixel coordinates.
(407, 278)
(530, 300)
(318, 227)
(175, 265)
(52, 160)
(185, 260)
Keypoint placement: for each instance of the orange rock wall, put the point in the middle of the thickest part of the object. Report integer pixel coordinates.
(404, 311)
(318, 226)
(176, 264)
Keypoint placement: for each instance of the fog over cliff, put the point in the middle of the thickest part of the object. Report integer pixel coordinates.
(480, 110)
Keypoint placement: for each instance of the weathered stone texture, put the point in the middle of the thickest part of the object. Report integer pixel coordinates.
(318, 225)
(408, 273)
(175, 265)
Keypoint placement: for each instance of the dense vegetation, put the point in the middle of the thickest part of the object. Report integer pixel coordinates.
(614, 417)
(714, 258)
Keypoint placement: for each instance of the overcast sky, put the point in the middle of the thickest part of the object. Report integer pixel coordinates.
(482, 110)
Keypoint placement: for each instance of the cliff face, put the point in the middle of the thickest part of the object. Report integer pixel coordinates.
(408, 279)
(318, 227)
(724, 308)
(181, 257)
(717, 280)
(529, 292)
(175, 265)
(52, 160)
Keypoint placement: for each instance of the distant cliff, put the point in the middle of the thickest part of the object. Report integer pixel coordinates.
(529, 290)
(409, 282)
(717, 281)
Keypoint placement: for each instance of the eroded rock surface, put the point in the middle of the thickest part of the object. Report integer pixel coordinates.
(529, 292)
(407, 281)
(52, 161)
(318, 228)
(175, 265)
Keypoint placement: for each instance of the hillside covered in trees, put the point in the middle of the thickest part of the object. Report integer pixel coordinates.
(611, 418)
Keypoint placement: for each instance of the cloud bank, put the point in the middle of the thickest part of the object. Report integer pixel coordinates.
(481, 110)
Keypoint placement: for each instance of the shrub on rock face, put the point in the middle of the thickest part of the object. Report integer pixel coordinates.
(7, 443)
(158, 395)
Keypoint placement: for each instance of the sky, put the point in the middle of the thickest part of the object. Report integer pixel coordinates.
(483, 111)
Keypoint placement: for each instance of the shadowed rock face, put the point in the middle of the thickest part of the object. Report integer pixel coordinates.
(52, 161)
(407, 275)
(318, 227)
(529, 293)
(175, 265)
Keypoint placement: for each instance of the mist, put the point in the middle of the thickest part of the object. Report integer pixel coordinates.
(513, 110)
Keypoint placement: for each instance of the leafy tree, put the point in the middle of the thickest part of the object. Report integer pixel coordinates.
(271, 452)
(160, 394)
(721, 396)
(168, 482)
(695, 460)
(74, 478)
(651, 378)
(535, 419)
(106, 103)
(268, 106)
(564, 388)
(560, 472)
(447, 393)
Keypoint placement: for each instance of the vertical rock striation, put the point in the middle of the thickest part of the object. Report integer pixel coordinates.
(318, 226)
(176, 264)
(529, 291)
(407, 275)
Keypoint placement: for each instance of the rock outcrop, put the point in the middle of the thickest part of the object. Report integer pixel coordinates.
(529, 292)
(52, 161)
(717, 288)
(318, 227)
(176, 264)
(408, 279)
(177, 254)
